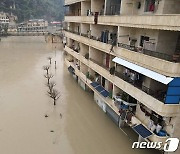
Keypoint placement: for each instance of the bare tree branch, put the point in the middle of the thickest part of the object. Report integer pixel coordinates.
(49, 58)
(48, 77)
(46, 68)
(51, 85)
(54, 94)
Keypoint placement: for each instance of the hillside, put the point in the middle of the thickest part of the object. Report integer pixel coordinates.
(29, 9)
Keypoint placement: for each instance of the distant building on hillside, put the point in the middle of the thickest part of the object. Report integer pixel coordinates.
(4, 18)
(9, 21)
(35, 25)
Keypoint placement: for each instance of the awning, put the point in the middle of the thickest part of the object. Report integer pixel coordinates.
(71, 69)
(100, 89)
(105, 93)
(94, 84)
(142, 131)
(151, 74)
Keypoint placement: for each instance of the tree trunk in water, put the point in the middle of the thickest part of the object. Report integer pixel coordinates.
(54, 102)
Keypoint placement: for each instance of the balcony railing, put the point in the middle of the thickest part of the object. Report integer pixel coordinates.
(138, 84)
(150, 53)
(96, 38)
(103, 66)
(114, 10)
(155, 54)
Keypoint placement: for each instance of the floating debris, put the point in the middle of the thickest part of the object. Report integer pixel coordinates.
(46, 116)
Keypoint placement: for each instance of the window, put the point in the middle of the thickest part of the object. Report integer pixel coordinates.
(143, 38)
(149, 6)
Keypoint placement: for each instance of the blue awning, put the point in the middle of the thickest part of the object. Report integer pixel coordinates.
(94, 84)
(142, 131)
(105, 93)
(100, 89)
(71, 69)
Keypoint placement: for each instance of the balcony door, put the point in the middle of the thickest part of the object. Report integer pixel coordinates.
(143, 39)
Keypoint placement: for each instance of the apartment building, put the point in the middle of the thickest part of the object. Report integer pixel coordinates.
(127, 52)
(4, 18)
(34, 25)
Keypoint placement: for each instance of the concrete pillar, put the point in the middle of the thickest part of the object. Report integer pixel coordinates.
(141, 139)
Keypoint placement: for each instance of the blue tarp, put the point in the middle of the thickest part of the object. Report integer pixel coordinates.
(142, 131)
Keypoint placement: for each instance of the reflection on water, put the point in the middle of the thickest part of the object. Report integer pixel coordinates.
(24, 129)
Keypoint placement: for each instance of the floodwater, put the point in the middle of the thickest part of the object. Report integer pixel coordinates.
(82, 129)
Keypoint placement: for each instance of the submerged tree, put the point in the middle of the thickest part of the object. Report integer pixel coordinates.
(48, 77)
(54, 94)
(46, 68)
(50, 59)
(51, 85)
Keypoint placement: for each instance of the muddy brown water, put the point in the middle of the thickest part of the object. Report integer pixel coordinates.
(83, 127)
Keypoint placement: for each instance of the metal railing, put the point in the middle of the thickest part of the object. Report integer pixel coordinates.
(113, 9)
(149, 52)
(133, 48)
(138, 84)
(96, 38)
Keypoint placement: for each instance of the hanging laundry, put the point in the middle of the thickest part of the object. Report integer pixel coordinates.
(152, 7)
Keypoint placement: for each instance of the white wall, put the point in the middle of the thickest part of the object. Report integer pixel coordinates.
(85, 5)
(97, 5)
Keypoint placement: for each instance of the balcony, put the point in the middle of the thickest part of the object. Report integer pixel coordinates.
(159, 62)
(159, 22)
(157, 95)
(80, 19)
(88, 41)
(154, 137)
(141, 94)
(151, 60)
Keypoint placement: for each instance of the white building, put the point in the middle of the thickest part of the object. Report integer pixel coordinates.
(128, 53)
(35, 25)
(4, 18)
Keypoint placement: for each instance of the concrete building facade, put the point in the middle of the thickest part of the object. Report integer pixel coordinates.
(35, 25)
(4, 18)
(127, 52)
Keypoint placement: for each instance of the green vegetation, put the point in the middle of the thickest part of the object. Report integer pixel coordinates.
(3, 30)
(31, 9)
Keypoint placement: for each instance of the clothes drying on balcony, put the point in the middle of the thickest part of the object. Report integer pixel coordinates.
(105, 36)
(142, 131)
(100, 89)
(151, 74)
